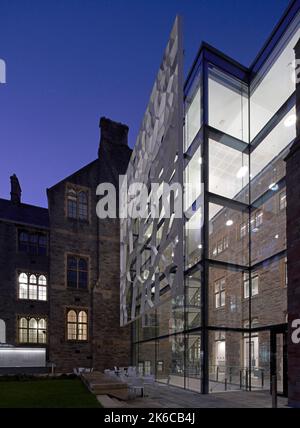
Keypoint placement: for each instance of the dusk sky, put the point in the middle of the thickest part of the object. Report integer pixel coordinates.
(69, 62)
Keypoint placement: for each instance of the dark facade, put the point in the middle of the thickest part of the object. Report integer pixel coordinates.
(293, 239)
(79, 317)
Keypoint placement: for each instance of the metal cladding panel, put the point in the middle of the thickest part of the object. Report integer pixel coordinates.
(156, 159)
(11, 357)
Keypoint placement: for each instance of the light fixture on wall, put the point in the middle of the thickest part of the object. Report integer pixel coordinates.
(274, 187)
(290, 121)
(229, 223)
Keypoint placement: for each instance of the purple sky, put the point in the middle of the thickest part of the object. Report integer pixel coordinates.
(71, 61)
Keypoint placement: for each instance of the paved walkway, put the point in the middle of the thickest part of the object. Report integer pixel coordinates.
(163, 396)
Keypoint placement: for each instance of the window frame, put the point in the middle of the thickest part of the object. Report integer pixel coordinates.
(78, 258)
(33, 232)
(77, 324)
(38, 285)
(29, 329)
(77, 203)
(246, 296)
(218, 294)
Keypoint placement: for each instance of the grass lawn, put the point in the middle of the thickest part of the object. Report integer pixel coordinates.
(46, 394)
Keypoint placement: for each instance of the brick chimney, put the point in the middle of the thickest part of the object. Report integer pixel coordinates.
(15, 190)
(113, 133)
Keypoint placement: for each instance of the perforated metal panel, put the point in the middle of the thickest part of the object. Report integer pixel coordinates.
(152, 249)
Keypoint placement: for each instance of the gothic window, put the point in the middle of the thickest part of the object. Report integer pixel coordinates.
(77, 325)
(32, 286)
(32, 330)
(77, 204)
(32, 242)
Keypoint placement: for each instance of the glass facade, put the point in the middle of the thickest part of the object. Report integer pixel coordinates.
(239, 125)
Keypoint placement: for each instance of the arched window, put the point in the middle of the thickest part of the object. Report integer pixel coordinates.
(72, 203)
(32, 330)
(42, 288)
(77, 204)
(33, 294)
(77, 325)
(23, 286)
(32, 286)
(23, 330)
(2, 331)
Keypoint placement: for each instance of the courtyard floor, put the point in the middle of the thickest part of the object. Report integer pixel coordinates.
(164, 396)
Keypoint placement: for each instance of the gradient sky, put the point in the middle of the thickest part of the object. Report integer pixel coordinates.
(69, 62)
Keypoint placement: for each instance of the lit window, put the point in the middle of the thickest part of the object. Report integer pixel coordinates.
(32, 287)
(77, 204)
(147, 368)
(254, 286)
(286, 273)
(32, 330)
(243, 230)
(257, 220)
(282, 201)
(77, 325)
(77, 272)
(220, 247)
(220, 296)
(34, 243)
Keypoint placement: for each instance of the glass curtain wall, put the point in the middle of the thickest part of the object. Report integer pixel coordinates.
(239, 125)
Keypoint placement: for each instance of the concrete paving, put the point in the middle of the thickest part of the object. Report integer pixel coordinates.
(164, 396)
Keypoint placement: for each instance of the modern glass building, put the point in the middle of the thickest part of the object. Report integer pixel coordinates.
(226, 327)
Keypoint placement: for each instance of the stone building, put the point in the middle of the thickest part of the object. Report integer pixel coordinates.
(59, 273)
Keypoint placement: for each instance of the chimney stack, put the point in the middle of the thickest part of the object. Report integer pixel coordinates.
(16, 191)
(113, 133)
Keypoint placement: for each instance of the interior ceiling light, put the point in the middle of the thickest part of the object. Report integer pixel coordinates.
(290, 121)
(242, 172)
(229, 223)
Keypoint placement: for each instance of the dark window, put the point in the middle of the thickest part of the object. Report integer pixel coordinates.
(34, 243)
(77, 204)
(77, 272)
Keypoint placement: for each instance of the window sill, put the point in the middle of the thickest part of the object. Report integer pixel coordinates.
(80, 290)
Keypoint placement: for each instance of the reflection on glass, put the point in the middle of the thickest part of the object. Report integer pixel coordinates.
(193, 115)
(228, 235)
(275, 82)
(193, 300)
(228, 172)
(272, 293)
(268, 227)
(193, 362)
(193, 247)
(192, 180)
(227, 305)
(228, 104)
(170, 354)
(267, 159)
